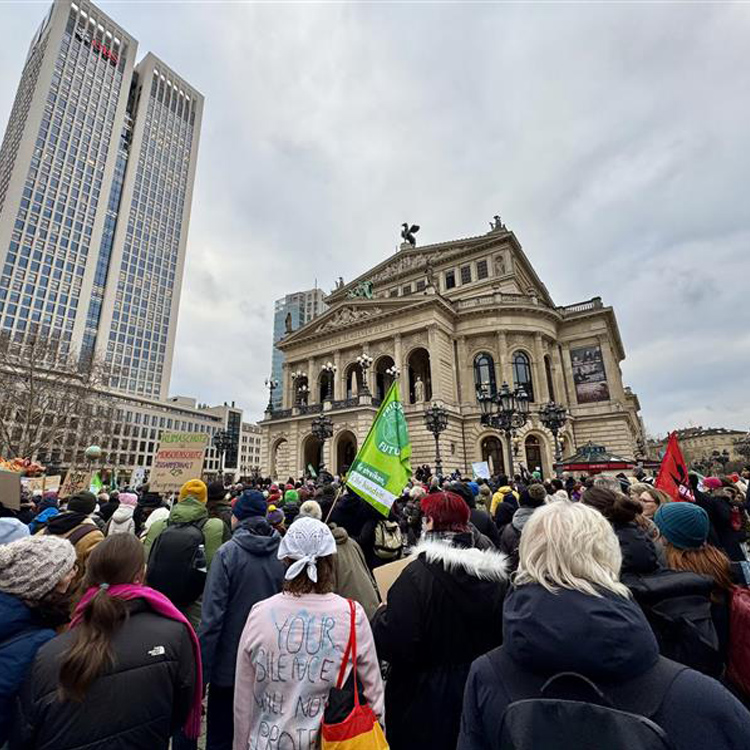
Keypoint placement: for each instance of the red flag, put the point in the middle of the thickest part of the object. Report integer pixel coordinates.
(673, 473)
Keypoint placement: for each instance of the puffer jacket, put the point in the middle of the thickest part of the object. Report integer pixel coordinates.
(122, 521)
(136, 704)
(20, 638)
(245, 571)
(606, 639)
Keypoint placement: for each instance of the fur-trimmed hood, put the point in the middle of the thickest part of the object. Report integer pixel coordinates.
(487, 565)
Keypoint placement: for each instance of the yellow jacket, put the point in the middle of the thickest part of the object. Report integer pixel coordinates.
(499, 496)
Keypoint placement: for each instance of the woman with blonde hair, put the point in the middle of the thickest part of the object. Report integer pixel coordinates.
(569, 613)
(649, 497)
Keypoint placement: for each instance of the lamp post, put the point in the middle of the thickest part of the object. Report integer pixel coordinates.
(272, 384)
(393, 371)
(330, 369)
(436, 421)
(554, 416)
(365, 363)
(504, 411)
(322, 428)
(301, 387)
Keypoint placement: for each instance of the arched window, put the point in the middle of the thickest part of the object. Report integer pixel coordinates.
(484, 373)
(548, 372)
(522, 373)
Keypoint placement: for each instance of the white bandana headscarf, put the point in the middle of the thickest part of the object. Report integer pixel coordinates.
(305, 541)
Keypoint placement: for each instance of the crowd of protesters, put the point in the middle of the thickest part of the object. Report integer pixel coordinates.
(526, 614)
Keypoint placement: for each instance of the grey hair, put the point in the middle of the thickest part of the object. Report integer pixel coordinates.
(417, 492)
(607, 483)
(311, 509)
(571, 546)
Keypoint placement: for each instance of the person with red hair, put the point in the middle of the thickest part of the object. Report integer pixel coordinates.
(443, 611)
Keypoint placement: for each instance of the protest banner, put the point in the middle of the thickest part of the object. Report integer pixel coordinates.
(481, 469)
(41, 484)
(138, 477)
(381, 469)
(10, 489)
(179, 458)
(75, 481)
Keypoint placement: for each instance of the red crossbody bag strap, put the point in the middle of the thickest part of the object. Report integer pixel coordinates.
(350, 652)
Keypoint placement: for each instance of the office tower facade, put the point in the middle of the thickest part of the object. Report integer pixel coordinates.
(96, 177)
(292, 312)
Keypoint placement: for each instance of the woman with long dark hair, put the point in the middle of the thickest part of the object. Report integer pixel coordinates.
(126, 675)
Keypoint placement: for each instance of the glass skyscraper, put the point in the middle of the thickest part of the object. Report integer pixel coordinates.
(298, 308)
(96, 179)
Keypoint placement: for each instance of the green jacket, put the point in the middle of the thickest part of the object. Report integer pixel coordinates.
(191, 510)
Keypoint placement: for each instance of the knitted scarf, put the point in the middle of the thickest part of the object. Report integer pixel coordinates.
(161, 606)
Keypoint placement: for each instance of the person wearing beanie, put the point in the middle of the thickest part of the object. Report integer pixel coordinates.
(684, 529)
(11, 530)
(275, 516)
(532, 498)
(218, 505)
(189, 511)
(245, 571)
(122, 521)
(150, 509)
(34, 572)
(76, 525)
(291, 495)
(485, 496)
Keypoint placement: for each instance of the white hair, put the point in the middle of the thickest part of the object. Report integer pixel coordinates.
(571, 546)
(417, 492)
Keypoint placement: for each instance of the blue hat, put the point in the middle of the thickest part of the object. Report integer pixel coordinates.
(474, 488)
(683, 524)
(11, 530)
(250, 503)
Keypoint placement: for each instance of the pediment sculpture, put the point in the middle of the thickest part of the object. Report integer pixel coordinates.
(347, 316)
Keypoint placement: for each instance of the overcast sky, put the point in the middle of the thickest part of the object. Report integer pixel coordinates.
(614, 140)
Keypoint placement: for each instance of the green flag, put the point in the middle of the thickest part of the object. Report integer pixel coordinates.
(381, 469)
(96, 485)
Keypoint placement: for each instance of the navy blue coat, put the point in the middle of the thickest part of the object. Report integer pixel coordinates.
(243, 572)
(20, 639)
(608, 640)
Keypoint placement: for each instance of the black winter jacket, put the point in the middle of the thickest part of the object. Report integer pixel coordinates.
(135, 705)
(440, 616)
(639, 553)
(608, 640)
(484, 523)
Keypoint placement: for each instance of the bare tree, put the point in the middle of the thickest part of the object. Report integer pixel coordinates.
(51, 399)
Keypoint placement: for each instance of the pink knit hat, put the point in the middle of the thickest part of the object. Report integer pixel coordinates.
(128, 498)
(712, 483)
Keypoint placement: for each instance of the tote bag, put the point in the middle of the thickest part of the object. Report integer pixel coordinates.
(360, 730)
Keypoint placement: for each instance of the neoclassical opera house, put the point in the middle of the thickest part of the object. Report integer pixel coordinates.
(444, 319)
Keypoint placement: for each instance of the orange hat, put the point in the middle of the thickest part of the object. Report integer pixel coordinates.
(196, 489)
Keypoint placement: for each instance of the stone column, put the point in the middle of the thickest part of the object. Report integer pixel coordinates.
(398, 355)
(312, 381)
(568, 374)
(504, 373)
(433, 347)
(561, 395)
(287, 400)
(338, 378)
(541, 372)
(612, 370)
(465, 390)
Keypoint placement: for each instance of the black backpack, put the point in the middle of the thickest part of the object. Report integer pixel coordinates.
(570, 712)
(177, 562)
(677, 605)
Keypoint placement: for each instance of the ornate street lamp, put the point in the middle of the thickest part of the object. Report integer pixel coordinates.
(303, 392)
(436, 421)
(301, 387)
(393, 371)
(272, 384)
(330, 369)
(322, 428)
(554, 416)
(504, 411)
(365, 363)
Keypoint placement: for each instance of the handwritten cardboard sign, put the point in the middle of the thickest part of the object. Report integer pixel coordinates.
(179, 459)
